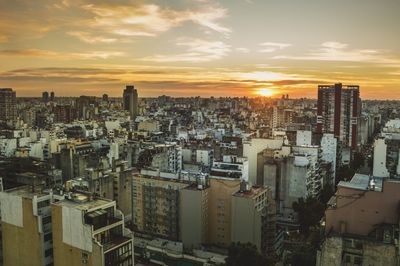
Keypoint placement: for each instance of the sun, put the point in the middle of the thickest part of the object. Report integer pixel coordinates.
(265, 92)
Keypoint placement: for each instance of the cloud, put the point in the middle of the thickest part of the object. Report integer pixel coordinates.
(90, 38)
(336, 51)
(197, 51)
(60, 55)
(242, 50)
(152, 80)
(150, 19)
(269, 47)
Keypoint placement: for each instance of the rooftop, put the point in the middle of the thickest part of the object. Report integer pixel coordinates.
(250, 193)
(363, 182)
(83, 202)
(26, 192)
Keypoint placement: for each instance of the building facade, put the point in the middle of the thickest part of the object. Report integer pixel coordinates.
(338, 112)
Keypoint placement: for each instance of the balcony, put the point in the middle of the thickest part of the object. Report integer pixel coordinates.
(116, 241)
(101, 218)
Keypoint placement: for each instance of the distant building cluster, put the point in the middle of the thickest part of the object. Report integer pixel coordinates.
(161, 181)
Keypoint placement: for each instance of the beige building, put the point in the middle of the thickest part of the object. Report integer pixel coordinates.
(149, 125)
(157, 206)
(194, 215)
(219, 210)
(26, 226)
(115, 184)
(253, 218)
(90, 231)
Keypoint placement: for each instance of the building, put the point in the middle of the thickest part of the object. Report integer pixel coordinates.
(156, 203)
(362, 223)
(8, 111)
(27, 226)
(282, 116)
(338, 112)
(254, 218)
(52, 96)
(90, 231)
(194, 215)
(220, 210)
(130, 101)
(45, 96)
(86, 107)
(386, 160)
(64, 114)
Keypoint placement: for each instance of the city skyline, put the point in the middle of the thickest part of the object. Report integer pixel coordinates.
(203, 47)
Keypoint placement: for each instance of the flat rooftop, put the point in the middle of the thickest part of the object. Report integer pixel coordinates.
(250, 193)
(26, 191)
(83, 202)
(363, 182)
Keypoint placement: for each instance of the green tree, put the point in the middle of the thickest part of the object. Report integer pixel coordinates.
(358, 161)
(309, 212)
(326, 193)
(240, 254)
(345, 173)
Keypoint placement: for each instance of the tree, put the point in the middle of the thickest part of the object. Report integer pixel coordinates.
(345, 173)
(240, 254)
(303, 256)
(309, 212)
(326, 193)
(358, 161)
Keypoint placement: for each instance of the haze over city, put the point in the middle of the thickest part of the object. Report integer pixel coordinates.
(203, 47)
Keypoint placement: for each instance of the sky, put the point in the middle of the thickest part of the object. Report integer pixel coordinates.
(200, 47)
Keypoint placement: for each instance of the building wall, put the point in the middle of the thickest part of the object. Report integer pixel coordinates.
(246, 222)
(194, 220)
(67, 255)
(372, 253)
(372, 207)
(219, 206)
(22, 246)
(123, 192)
(157, 217)
(380, 152)
(251, 150)
(331, 252)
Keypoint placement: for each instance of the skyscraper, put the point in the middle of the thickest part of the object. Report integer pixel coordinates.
(52, 96)
(8, 112)
(45, 96)
(130, 101)
(339, 109)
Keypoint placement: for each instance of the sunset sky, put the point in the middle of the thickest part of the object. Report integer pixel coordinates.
(199, 47)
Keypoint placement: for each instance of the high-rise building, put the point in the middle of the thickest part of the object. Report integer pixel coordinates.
(26, 226)
(339, 109)
(45, 96)
(8, 111)
(52, 96)
(130, 101)
(254, 218)
(86, 107)
(64, 113)
(90, 231)
(156, 204)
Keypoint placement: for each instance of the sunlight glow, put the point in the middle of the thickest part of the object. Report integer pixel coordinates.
(265, 92)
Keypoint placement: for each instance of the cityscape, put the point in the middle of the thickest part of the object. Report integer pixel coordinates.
(185, 133)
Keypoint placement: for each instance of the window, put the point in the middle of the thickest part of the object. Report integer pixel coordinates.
(48, 252)
(42, 204)
(48, 237)
(46, 220)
